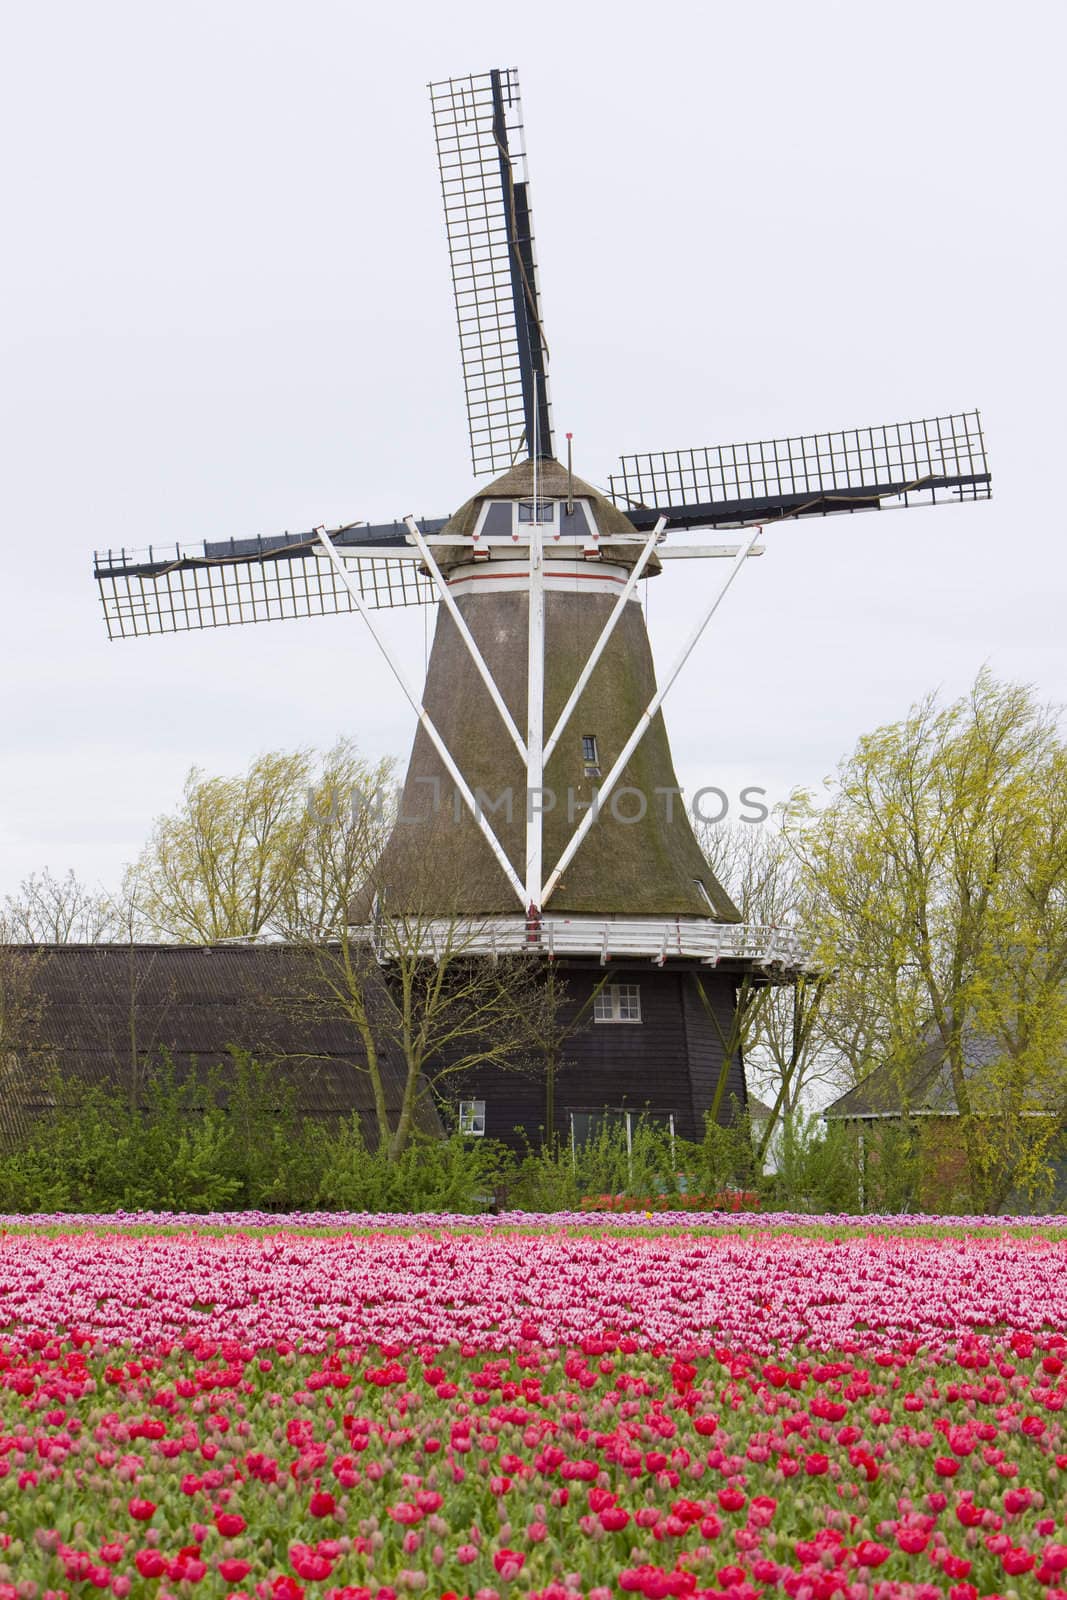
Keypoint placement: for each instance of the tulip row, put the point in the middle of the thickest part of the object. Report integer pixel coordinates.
(759, 1292)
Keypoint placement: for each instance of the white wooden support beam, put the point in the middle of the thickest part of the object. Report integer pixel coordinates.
(535, 714)
(605, 634)
(424, 718)
(468, 638)
(644, 722)
(706, 552)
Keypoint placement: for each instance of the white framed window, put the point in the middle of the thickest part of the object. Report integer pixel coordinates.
(542, 511)
(472, 1118)
(590, 755)
(618, 1002)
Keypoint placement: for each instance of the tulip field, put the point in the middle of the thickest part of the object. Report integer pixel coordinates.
(555, 1408)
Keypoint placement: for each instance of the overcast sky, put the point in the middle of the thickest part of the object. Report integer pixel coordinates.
(227, 310)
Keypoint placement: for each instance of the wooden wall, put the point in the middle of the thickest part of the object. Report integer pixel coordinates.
(667, 1062)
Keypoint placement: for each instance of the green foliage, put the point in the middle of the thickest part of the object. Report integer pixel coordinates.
(235, 1142)
(724, 1159)
(273, 1152)
(545, 1179)
(228, 1142)
(192, 1146)
(278, 847)
(818, 1167)
(890, 1162)
(558, 1177)
(456, 1174)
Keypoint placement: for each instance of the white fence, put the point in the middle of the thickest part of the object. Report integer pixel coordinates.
(770, 948)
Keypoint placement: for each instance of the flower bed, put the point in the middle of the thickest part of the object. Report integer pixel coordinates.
(491, 1414)
(731, 1200)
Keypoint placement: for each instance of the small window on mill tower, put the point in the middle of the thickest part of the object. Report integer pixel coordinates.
(590, 755)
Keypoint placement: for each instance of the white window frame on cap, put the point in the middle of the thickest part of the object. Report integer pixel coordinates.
(547, 509)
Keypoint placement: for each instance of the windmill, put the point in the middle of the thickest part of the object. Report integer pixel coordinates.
(540, 800)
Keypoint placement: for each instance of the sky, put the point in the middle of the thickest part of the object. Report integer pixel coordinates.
(225, 309)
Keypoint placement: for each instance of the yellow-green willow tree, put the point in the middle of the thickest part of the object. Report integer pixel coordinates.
(938, 869)
(278, 849)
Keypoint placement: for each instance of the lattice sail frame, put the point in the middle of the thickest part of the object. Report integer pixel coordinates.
(481, 154)
(220, 586)
(812, 474)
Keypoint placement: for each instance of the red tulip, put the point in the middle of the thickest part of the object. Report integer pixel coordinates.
(234, 1570)
(871, 1554)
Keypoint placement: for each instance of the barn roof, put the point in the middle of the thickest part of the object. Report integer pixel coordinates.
(108, 1013)
(924, 1089)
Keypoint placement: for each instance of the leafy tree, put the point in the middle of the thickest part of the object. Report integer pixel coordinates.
(276, 850)
(938, 866)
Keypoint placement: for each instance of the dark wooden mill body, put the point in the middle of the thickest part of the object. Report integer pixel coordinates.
(541, 810)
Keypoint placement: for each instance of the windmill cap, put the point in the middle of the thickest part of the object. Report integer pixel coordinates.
(553, 483)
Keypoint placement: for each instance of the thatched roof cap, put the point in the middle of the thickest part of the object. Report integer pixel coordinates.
(552, 484)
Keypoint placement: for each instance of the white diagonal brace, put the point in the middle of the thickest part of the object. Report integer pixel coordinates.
(605, 634)
(644, 722)
(441, 585)
(424, 717)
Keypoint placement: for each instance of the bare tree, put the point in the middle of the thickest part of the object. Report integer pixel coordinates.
(777, 1025)
(20, 1009)
(425, 993)
(50, 910)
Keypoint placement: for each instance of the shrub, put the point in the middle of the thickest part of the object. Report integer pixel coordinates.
(183, 1149)
(455, 1174)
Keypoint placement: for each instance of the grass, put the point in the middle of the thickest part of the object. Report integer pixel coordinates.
(1054, 1230)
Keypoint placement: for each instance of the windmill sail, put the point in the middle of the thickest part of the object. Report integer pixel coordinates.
(228, 582)
(730, 486)
(481, 154)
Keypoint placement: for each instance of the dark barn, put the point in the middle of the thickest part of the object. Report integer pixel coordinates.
(112, 1015)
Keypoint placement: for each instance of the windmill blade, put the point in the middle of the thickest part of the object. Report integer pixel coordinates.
(223, 584)
(481, 154)
(736, 485)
